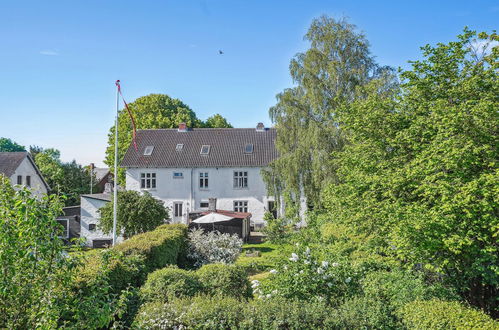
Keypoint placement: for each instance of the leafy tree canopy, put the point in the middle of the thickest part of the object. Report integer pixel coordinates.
(66, 179)
(419, 174)
(136, 214)
(327, 77)
(150, 112)
(7, 145)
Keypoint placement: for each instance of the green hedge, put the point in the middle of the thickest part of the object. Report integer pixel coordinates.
(129, 262)
(170, 282)
(219, 312)
(228, 280)
(439, 314)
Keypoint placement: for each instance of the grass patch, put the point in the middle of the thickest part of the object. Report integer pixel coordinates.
(269, 256)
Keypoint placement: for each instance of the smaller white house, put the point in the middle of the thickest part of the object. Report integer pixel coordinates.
(89, 221)
(21, 169)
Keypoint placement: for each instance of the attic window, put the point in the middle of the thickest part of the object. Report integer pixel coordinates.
(148, 150)
(179, 147)
(248, 149)
(205, 150)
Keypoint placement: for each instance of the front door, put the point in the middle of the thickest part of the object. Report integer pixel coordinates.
(177, 212)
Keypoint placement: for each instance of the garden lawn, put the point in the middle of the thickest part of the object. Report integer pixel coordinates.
(270, 255)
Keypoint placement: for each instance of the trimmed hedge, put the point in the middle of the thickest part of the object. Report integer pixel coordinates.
(219, 312)
(129, 262)
(228, 280)
(170, 282)
(439, 314)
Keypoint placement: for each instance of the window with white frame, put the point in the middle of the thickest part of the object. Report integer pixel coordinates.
(240, 206)
(148, 180)
(148, 150)
(177, 209)
(28, 181)
(204, 205)
(65, 227)
(205, 149)
(240, 179)
(203, 180)
(19, 179)
(179, 147)
(178, 175)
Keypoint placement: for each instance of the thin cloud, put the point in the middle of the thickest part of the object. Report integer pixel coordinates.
(49, 52)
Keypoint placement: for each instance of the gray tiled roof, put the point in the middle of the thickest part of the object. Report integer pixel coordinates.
(10, 161)
(102, 197)
(227, 147)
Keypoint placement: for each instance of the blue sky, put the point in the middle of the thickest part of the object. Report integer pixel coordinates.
(59, 59)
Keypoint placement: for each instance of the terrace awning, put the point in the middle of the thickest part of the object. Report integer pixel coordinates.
(212, 218)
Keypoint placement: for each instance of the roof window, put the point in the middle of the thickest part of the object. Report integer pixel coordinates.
(205, 149)
(148, 150)
(248, 149)
(179, 147)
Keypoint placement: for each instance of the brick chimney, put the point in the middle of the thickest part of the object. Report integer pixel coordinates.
(212, 204)
(182, 127)
(260, 127)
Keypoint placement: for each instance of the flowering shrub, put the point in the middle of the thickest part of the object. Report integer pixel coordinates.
(213, 247)
(303, 276)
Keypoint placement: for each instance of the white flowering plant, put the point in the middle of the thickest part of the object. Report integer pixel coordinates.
(306, 277)
(212, 247)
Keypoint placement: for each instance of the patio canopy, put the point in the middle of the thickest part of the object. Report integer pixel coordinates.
(212, 218)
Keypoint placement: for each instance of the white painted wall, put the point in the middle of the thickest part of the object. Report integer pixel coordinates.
(187, 190)
(38, 188)
(90, 215)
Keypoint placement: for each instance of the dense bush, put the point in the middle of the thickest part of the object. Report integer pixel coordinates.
(159, 247)
(217, 312)
(438, 314)
(276, 229)
(213, 247)
(303, 276)
(228, 280)
(170, 282)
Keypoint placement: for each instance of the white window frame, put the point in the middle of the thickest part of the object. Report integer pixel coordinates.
(251, 146)
(175, 209)
(28, 180)
(179, 147)
(204, 180)
(180, 176)
(240, 206)
(148, 150)
(148, 180)
(204, 207)
(67, 227)
(240, 179)
(207, 151)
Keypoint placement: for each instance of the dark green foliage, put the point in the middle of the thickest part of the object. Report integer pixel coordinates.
(159, 248)
(437, 314)
(229, 280)
(217, 121)
(218, 312)
(170, 282)
(137, 213)
(69, 180)
(419, 177)
(34, 271)
(7, 145)
(327, 77)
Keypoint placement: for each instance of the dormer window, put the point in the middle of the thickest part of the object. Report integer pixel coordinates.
(179, 147)
(205, 150)
(248, 149)
(148, 150)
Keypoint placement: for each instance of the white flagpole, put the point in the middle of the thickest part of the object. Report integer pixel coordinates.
(115, 190)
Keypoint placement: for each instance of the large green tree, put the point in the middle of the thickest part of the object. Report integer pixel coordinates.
(419, 174)
(7, 145)
(150, 112)
(217, 121)
(137, 213)
(70, 179)
(308, 130)
(34, 271)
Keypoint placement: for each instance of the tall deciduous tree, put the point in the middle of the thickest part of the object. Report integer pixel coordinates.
(136, 213)
(150, 112)
(217, 121)
(326, 78)
(66, 179)
(420, 173)
(7, 145)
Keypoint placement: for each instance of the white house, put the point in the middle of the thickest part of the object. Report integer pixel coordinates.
(21, 169)
(185, 167)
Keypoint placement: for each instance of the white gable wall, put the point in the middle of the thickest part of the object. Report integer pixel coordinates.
(187, 190)
(90, 215)
(24, 169)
